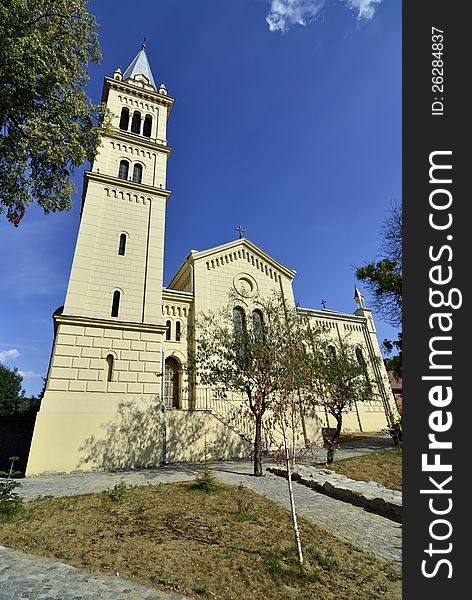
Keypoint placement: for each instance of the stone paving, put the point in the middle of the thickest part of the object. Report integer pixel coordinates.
(38, 578)
(369, 494)
(20, 573)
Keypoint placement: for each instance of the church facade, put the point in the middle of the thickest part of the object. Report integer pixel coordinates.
(121, 338)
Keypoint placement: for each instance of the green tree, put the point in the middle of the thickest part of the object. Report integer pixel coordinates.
(11, 394)
(335, 380)
(384, 281)
(48, 126)
(248, 356)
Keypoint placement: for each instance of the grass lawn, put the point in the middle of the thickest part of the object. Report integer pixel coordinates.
(384, 467)
(228, 545)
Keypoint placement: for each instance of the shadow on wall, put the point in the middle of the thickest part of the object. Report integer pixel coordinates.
(133, 439)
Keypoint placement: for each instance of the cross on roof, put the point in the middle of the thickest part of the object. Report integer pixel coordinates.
(241, 231)
(323, 304)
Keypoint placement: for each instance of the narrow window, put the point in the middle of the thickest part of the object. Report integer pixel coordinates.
(109, 360)
(122, 246)
(136, 122)
(124, 119)
(116, 304)
(362, 363)
(177, 331)
(147, 126)
(239, 319)
(332, 352)
(124, 168)
(257, 325)
(239, 322)
(168, 330)
(137, 173)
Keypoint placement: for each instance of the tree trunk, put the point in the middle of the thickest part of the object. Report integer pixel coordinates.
(331, 449)
(258, 447)
(298, 541)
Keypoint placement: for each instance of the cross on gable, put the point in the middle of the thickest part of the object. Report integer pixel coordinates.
(240, 230)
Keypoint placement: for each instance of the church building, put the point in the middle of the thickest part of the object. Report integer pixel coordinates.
(120, 330)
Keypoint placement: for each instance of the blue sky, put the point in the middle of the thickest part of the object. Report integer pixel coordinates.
(287, 121)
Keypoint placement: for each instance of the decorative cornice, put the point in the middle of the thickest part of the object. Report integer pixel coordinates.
(107, 323)
(331, 315)
(140, 188)
(138, 140)
(248, 245)
(177, 295)
(133, 90)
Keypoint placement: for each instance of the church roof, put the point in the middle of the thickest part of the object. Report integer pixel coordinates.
(140, 66)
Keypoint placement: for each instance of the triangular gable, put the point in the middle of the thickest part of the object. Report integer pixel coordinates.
(241, 249)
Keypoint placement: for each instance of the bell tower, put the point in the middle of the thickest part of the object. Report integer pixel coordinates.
(109, 333)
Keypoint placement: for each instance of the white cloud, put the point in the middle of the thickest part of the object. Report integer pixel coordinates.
(29, 374)
(285, 13)
(365, 8)
(9, 355)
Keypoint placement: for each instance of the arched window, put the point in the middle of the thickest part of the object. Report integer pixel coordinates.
(109, 369)
(177, 331)
(239, 322)
(122, 246)
(362, 363)
(137, 173)
(168, 330)
(124, 119)
(239, 319)
(147, 126)
(257, 325)
(124, 168)
(332, 352)
(136, 122)
(115, 307)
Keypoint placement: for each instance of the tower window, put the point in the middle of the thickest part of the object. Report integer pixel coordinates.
(124, 168)
(177, 331)
(136, 122)
(124, 119)
(147, 126)
(137, 173)
(122, 246)
(115, 307)
(168, 330)
(109, 361)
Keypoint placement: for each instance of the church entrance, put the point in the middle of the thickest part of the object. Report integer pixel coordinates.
(171, 389)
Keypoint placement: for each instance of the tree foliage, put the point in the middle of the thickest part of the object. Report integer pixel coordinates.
(283, 367)
(48, 126)
(249, 359)
(384, 280)
(335, 380)
(11, 394)
(384, 277)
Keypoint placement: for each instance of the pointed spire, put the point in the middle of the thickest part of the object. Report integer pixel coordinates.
(140, 66)
(359, 298)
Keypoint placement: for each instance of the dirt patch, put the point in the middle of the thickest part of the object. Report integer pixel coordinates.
(384, 467)
(227, 545)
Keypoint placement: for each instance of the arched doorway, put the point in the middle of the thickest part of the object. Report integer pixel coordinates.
(171, 390)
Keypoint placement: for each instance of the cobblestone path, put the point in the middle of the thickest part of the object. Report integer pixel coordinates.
(37, 578)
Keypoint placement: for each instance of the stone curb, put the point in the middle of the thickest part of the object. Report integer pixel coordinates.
(370, 495)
